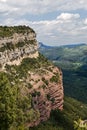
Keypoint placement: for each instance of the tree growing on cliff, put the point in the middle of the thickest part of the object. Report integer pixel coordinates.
(7, 102)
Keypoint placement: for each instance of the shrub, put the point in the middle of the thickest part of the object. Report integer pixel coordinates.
(45, 81)
(48, 96)
(54, 79)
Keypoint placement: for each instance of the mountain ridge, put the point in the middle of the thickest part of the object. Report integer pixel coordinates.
(41, 44)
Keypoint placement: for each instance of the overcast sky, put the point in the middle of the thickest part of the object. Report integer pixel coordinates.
(55, 22)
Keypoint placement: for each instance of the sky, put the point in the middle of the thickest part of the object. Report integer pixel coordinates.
(56, 22)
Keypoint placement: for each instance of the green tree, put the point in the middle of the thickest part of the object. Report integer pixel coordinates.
(7, 102)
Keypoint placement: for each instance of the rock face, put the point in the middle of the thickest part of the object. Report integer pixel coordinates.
(43, 80)
(49, 92)
(16, 47)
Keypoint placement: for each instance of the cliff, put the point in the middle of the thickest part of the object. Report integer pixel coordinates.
(17, 46)
(34, 82)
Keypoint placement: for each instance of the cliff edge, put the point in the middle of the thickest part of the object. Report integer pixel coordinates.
(32, 82)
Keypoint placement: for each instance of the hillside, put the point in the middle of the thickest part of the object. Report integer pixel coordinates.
(72, 56)
(72, 59)
(30, 86)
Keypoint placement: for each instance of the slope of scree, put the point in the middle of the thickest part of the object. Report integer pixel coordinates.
(31, 84)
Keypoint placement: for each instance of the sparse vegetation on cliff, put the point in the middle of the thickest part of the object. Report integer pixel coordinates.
(15, 108)
(64, 120)
(54, 79)
(24, 86)
(18, 97)
(9, 31)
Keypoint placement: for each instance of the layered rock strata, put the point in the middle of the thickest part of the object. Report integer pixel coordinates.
(47, 93)
(44, 83)
(16, 47)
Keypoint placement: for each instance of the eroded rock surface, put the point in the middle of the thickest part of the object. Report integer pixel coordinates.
(16, 47)
(42, 80)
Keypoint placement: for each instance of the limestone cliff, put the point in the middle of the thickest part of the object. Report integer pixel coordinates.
(32, 73)
(17, 46)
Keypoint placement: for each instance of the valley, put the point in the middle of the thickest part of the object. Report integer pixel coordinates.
(72, 59)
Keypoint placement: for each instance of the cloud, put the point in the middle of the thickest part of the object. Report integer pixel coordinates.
(85, 21)
(65, 28)
(3, 0)
(68, 16)
(36, 7)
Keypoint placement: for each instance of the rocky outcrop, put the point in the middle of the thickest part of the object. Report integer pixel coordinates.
(16, 47)
(42, 80)
(47, 91)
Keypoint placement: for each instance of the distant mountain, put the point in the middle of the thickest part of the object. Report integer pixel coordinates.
(68, 45)
(74, 45)
(72, 59)
(41, 45)
(69, 54)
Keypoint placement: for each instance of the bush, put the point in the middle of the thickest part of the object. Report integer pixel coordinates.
(54, 79)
